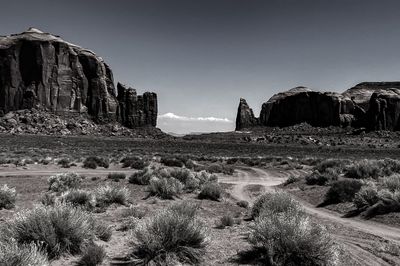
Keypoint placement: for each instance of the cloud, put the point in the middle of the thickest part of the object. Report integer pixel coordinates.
(185, 118)
(171, 122)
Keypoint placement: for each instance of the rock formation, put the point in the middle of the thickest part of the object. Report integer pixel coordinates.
(41, 70)
(384, 110)
(373, 105)
(245, 117)
(136, 110)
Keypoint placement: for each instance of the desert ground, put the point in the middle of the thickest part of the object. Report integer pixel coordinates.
(245, 170)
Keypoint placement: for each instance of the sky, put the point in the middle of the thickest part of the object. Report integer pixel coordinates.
(201, 56)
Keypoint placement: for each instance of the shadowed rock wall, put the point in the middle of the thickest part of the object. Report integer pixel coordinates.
(41, 70)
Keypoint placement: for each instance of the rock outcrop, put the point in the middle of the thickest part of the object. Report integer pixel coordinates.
(384, 110)
(362, 92)
(136, 110)
(245, 117)
(40, 70)
(372, 105)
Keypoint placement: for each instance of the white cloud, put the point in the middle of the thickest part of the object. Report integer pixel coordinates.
(171, 122)
(185, 118)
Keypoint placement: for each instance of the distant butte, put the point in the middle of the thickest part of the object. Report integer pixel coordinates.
(372, 105)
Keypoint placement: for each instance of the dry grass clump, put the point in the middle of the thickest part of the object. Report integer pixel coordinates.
(107, 195)
(8, 197)
(64, 181)
(226, 221)
(60, 229)
(93, 162)
(92, 255)
(102, 231)
(173, 236)
(284, 235)
(12, 254)
(211, 190)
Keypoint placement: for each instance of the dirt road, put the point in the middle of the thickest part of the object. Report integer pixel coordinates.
(364, 242)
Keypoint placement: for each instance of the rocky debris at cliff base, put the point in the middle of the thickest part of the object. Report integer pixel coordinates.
(34, 121)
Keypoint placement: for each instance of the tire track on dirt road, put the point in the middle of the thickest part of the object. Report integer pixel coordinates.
(359, 249)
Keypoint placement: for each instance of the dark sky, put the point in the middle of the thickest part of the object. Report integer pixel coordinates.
(202, 56)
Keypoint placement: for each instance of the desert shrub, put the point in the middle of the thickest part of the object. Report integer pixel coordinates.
(243, 204)
(174, 235)
(274, 202)
(60, 229)
(93, 162)
(48, 199)
(172, 161)
(205, 177)
(165, 188)
(291, 179)
(211, 190)
(331, 164)
(366, 196)
(12, 254)
(392, 182)
(321, 179)
(107, 195)
(220, 168)
(342, 191)
(226, 220)
(79, 198)
(102, 231)
(92, 255)
(134, 211)
(64, 162)
(8, 197)
(116, 176)
(142, 177)
(134, 162)
(64, 181)
(364, 169)
(288, 238)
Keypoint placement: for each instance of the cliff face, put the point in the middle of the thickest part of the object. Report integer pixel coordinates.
(38, 69)
(136, 110)
(373, 105)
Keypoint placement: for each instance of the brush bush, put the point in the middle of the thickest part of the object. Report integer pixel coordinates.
(116, 176)
(107, 195)
(8, 197)
(60, 229)
(211, 191)
(342, 191)
(92, 255)
(290, 238)
(165, 188)
(366, 196)
(173, 236)
(79, 198)
(64, 181)
(12, 254)
(93, 162)
(274, 202)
